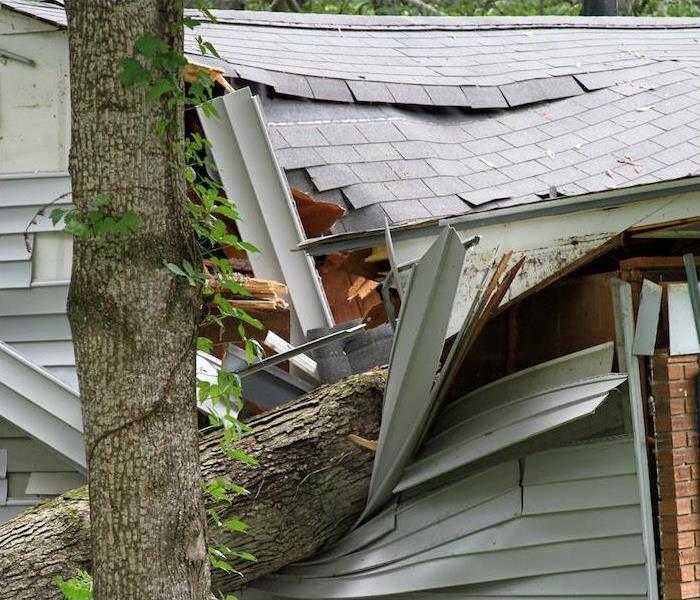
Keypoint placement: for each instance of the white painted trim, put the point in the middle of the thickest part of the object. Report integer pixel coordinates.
(629, 363)
(255, 182)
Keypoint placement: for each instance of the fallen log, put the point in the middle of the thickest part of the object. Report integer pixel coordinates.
(310, 486)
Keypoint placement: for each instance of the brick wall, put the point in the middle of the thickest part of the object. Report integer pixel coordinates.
(678, 473)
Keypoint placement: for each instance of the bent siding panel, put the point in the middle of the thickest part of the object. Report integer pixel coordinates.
(589, 543)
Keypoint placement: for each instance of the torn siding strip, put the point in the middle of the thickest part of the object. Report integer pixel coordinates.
(624, 334)
(415, 355)
(494, 430)
(591, 542)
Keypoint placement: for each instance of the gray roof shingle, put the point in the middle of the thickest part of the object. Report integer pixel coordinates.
(584, 143)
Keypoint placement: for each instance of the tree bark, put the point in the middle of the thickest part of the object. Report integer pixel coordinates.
(132, 322)
(309, 488)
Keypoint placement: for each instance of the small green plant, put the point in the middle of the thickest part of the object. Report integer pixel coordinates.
(76, 588)
(97, 220)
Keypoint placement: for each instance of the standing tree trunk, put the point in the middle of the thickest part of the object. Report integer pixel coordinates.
(133, 323)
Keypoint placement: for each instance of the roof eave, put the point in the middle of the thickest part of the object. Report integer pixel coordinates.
(546, 208)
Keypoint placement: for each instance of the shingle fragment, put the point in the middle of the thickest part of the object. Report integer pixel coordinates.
(446, 95)
(370, 91)
(363, 194)
(325, 88)
(338, 134)
(537, 90)
(380, 131)
(339, 154)
(406, 93)
(296, 158)
(327, 177)
(484, 97)
(410, 169)
(373, 171)
(405, 210)
(444, 206)
(405, 189)
(298, 136)
(444, 185)
(291, 84)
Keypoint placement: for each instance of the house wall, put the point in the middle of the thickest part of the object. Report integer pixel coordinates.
(34, 144)
(34, 100)
(676, 426)
(32, 471)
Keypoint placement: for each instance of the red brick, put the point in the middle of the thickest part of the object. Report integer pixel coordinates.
(688, 522)
(672, 591)
(681, 489)
(663, 425)
(695, 505)
(682, 473)
(688, 556)
(687, 573)
(686, 421)
(685, 456)
(691, 371)
(678, 406)
(672, 506)
(690, 589)
(682, 358)
(686, 539)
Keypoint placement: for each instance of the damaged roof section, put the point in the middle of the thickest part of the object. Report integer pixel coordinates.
(405, 167)
(461, 62)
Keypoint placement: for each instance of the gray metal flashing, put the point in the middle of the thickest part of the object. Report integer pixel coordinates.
(471, 537)
(250, 174)
(647, 319)
(628, 362)
(275, 359)
(414, 360)
(585, 364)
(683, 336)
(691, 275)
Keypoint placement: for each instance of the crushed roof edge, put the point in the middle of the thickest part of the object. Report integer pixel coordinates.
(560, 206)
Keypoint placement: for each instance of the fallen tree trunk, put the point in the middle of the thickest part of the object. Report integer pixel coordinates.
(310, 486)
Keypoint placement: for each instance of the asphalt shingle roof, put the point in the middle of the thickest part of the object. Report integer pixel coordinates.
(638, 132)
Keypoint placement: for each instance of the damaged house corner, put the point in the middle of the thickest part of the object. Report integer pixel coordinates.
(517, 245)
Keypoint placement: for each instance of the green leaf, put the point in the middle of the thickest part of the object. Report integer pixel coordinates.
(149, 45)
(160, 88)
(133, 72)
(235, 525)
(204, 344)
(131, 221)
(241, 456)
(57, 214)
(173, 268)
